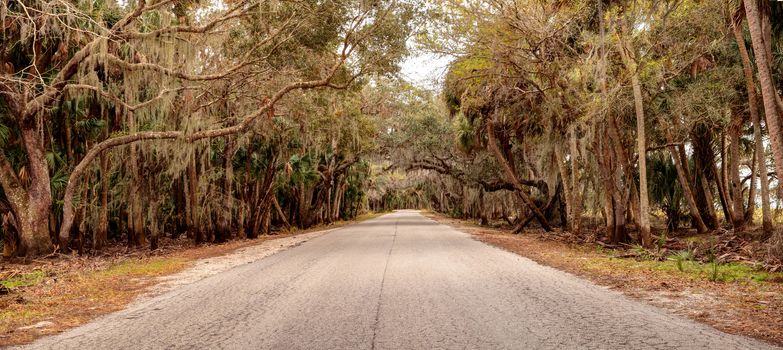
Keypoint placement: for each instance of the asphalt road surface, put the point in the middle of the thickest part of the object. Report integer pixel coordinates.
(400, 281)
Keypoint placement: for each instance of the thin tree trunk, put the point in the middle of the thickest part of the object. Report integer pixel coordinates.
(723, 195)
(724, 171)
(329, 204)
(69, 141)
(620, 234)
(644, 202)
(703, 169)
(760, 159)
(100, 236)
(263, 198)
(709, 207)
(303, 207)
(605, 171)
(738, 218)
(606, 167)
(751, 209)
(280, 213)
(103, 222)
(685, 183)
(483, 219)
(226, 215)
(338, 199)
(83, 213)
(576, 200)
(193, 222)
(154, 228)
(136, 219)
(561, 167)
(254, 209)
(768, 93)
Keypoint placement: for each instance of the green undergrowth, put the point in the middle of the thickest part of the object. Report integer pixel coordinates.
(23, 280)
(680, 264)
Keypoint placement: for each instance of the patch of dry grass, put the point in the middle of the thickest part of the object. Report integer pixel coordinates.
(69, 298)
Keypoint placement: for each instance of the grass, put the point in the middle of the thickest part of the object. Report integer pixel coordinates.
(679, 265)
(23, 280)
(370, 215)
(140, 268)
(76, 296)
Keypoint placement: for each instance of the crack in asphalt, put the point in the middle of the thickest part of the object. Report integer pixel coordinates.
(380, 292)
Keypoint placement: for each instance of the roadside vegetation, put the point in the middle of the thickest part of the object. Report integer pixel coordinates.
(127, 122)
(638, 125)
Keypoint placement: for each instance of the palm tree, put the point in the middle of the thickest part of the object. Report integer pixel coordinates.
(768, 93)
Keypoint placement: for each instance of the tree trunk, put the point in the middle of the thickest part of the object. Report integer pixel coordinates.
(738, 220)
(576, 200)
(226, 215)
(33, 228)
(193, 222)
(724, 171)
(69, 141)
(511, 174)
(100, 237)
(264, 198)
(80, 228)
(723, 195)
(280, 213)
(136, 217)
(254, 210)
(303, 207)
(32, 216)
(703, 169)
(483, 219)
(622, 179)
(750, 211)
(154, 229)
(644, 202)
(338, 198)
(603, 148)
(761, 169)
(561, 167)
(620, 234)
(760, 159)
(768, 92)
(605, 173)
(685, 183)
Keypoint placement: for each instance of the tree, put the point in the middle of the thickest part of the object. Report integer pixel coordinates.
(768, 93)
(140, 59)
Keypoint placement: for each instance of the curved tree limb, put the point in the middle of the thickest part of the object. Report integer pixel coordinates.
(492, 141)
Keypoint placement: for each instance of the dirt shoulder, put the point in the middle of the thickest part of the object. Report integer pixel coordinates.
(51, 295)
(732, 298)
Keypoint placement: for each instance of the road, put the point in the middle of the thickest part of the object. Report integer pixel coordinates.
(400, 281)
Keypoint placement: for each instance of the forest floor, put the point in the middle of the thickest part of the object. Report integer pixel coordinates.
(734, 297)
(49, 295)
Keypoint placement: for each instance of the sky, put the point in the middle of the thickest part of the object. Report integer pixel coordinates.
(425, 70)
